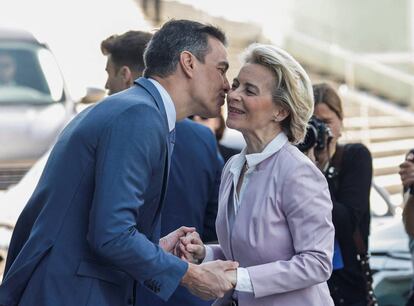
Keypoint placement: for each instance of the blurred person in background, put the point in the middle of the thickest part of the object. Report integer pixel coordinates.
(348, 169)
(7, 69)
(274, 213)
(80, 236)
(125, 61)
(217, 125)
(407, 178)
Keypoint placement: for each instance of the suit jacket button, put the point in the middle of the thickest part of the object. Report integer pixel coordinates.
(130, 301)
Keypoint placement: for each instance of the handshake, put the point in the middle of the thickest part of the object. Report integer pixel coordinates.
(208, 280)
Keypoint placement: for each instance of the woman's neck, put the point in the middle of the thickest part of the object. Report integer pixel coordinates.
(257, 142)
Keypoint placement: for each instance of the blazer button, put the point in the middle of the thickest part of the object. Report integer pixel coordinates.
(130, 301)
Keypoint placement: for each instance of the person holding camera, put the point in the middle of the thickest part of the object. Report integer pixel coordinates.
(406, 173)
(348, 169)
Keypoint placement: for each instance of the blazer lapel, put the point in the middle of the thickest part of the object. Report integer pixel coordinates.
(223, 223)
(152, 90)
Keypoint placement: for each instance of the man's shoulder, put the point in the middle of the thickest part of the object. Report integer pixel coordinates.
(132, 100)
(133, 96)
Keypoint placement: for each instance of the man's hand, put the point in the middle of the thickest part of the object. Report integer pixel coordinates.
(191, 248)
(407, 173)
(210, 280)
(168, 243)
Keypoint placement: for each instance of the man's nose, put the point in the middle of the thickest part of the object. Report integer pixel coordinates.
(226, 85)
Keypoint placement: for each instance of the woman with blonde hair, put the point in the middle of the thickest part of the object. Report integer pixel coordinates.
(274, 214)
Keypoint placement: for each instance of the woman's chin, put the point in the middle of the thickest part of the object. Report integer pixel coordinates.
(231, 124)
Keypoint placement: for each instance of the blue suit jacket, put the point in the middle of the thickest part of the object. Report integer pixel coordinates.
(192, 196)
(86, 236)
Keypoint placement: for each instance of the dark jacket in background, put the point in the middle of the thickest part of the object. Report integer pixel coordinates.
(351, 210)
(227, 152)
(191, 198)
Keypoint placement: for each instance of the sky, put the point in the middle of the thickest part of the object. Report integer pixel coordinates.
(272, 15)
(74, 29)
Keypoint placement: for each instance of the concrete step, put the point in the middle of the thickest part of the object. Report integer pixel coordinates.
(387, 165)
(397, 200)
(356, 110)
(391, 148)
(352, 123)
(379, 135)
(391, 182)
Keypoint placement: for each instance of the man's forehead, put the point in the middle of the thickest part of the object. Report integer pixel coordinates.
(217, 50)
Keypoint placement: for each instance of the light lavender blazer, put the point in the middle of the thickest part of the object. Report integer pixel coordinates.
(282, 234)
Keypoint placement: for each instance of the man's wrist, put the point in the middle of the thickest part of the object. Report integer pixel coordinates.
(190, 275)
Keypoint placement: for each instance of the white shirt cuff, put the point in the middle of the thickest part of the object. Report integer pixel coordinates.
(209, 254)
(244, 284)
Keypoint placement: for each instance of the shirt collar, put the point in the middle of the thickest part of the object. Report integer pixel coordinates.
(168, 104)
(256, 158)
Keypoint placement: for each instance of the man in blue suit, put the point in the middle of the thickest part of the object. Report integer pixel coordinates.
(88, 234)
(194, 179)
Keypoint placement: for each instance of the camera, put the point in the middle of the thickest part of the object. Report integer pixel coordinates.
(318, 134)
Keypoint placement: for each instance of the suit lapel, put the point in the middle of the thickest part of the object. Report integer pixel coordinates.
(152, 90)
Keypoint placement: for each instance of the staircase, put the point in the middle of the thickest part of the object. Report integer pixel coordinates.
(388, 131)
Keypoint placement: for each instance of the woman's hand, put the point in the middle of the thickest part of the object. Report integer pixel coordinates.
(407, 173)
(232, 276)
(311, 154)
(191, 248)
(322, 158)
(167, 243)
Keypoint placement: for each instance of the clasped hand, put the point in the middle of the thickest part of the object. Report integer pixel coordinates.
(208, 280)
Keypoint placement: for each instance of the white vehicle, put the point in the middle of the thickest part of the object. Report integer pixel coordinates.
(391, 262)
(34, 103)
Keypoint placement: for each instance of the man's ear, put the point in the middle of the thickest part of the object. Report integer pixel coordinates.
(187, 63)
(126, 75)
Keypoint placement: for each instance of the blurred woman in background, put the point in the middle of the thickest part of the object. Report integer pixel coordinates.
(348, 169)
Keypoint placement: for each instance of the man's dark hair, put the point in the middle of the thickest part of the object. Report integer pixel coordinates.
(163, 52)
(127, 49)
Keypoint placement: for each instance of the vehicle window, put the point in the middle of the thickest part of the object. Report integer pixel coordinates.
(28, 74)
(52, 73)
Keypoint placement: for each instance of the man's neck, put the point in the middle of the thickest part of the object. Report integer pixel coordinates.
(179, 95)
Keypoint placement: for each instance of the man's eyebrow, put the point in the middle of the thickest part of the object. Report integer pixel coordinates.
(225, 64)
(252, 85)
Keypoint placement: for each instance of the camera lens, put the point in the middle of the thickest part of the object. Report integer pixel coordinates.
(310, 139)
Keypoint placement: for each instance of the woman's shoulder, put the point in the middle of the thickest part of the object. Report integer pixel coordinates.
(356, 150)
(291, 153)
(292, 158)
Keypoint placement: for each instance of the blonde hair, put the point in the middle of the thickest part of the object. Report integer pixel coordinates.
(292, 90)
